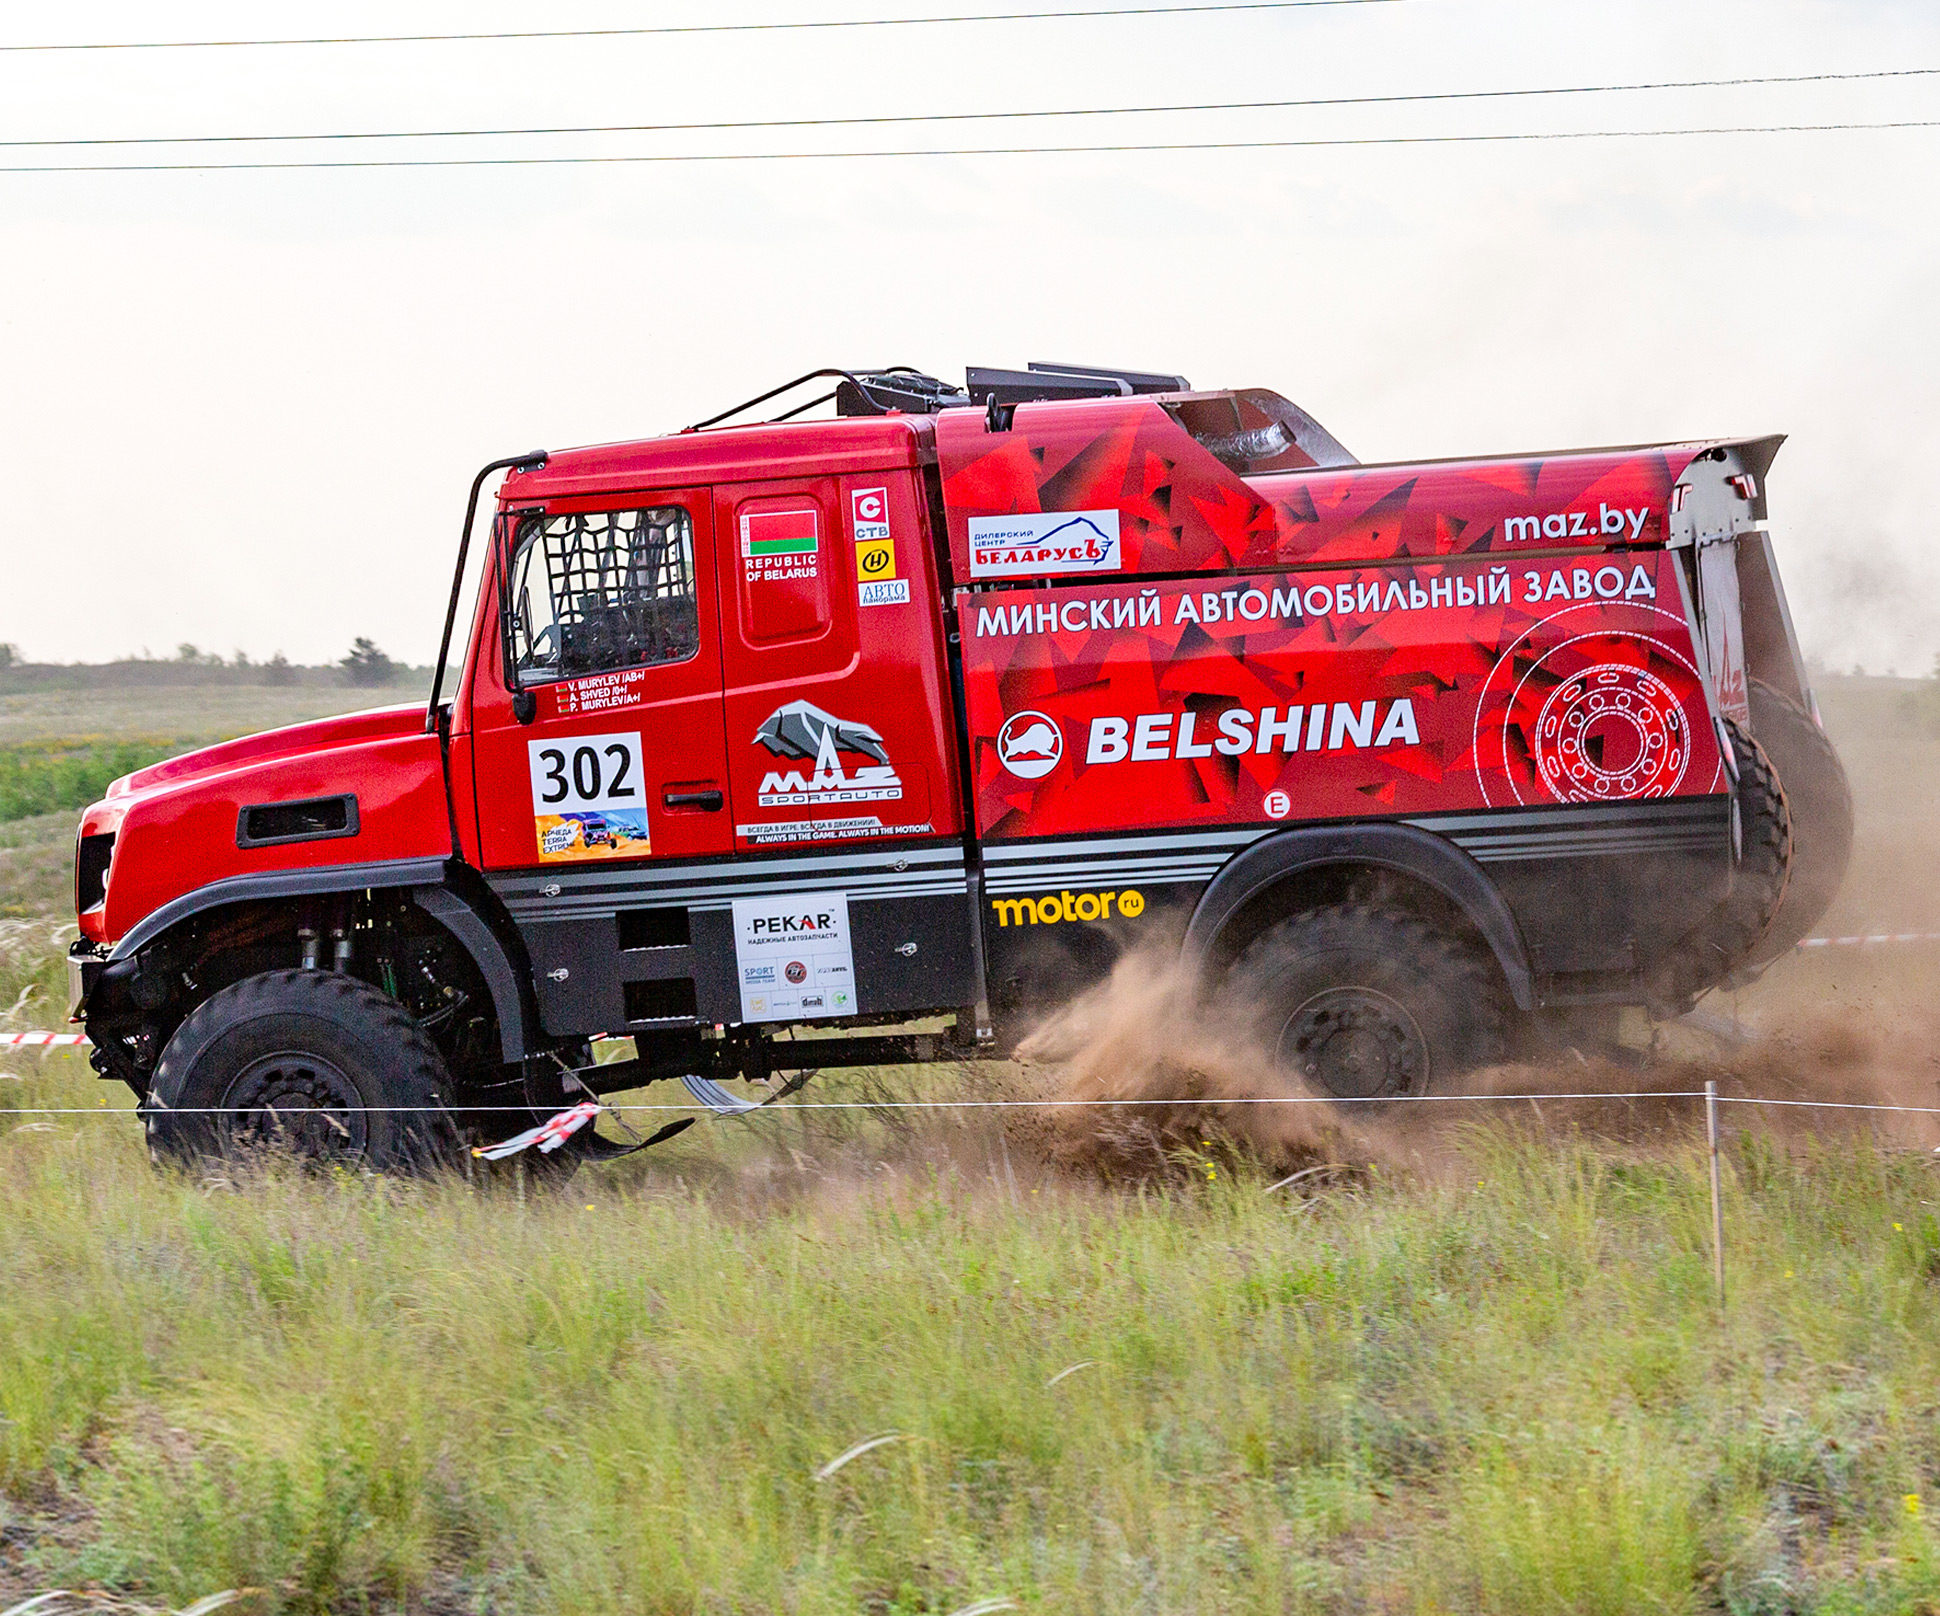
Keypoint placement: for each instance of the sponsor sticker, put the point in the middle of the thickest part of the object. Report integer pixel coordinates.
(1059, 908)
(1277, 805)
(819, 743)
(793, 955)
(875, 559)
(1038, 544)
(589, 798)
(869, 514)
(875, 569)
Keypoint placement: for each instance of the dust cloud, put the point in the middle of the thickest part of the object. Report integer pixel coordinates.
(1144, 1036)
(1844, 1026)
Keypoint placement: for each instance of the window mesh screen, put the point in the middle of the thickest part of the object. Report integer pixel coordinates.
(603, 590)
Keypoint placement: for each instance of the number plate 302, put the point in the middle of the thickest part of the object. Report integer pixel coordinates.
(589, 797)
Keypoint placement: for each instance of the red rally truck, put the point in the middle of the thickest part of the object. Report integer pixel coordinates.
(774, 743)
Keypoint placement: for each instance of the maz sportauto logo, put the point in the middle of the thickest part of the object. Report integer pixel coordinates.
(801, 730)
(1036, 544)
(1030, 744)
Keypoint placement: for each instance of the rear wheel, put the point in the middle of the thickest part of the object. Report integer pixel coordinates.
(313, 1064)
(1367, 1003)
(1820, 803)
(1726, 938)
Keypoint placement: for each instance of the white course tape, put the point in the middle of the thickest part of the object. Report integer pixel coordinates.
(44, 1040)
(1877, 937)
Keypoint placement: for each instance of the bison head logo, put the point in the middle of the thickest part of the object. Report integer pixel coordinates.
(801, 730)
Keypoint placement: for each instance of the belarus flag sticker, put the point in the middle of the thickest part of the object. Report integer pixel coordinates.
(780, 533)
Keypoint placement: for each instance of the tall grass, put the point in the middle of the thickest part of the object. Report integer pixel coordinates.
(38, 777)
(1502, 1390)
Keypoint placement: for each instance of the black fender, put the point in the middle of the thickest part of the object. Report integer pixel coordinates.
(1406, 849)
(467, 908)
(448, 890)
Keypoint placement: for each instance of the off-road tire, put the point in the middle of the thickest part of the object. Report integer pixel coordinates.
(1820, 801)
(1368, 1003)
(1726, 938)
(314, 1063)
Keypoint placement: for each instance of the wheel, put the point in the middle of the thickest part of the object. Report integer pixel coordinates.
(313, 1063)
(1820, 803)
(1365, 1003)
(1725, 939)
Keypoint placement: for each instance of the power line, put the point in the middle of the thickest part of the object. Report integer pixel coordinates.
(966, 151)
(976, 117)
(698, 28)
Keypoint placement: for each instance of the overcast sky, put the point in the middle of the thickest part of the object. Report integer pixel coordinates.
(242, 409)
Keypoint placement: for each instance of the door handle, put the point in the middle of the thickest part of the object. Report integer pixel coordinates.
(709, 802)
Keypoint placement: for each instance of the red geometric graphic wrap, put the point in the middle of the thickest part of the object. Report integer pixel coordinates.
(1182, 510)
(1516, 689)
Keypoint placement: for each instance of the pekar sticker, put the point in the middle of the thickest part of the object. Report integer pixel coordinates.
(793, 956)
(589, 797)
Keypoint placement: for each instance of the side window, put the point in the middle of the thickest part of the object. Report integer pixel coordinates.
(598, 591)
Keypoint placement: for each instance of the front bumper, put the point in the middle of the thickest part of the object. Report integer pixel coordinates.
(84, 968)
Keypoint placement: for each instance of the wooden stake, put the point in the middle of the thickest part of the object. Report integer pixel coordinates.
(1717, 1191)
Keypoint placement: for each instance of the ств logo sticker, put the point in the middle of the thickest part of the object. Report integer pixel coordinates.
(1030, 745)
(869, 513)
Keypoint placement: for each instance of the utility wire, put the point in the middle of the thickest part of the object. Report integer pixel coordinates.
(965, 151)
(979, 117)
(698, 28)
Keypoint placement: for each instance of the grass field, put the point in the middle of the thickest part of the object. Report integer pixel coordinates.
(1478, 1368)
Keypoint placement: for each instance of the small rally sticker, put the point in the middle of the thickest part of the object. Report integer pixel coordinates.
(874, 559)
(589, 798)
(875, 574)
(869, 513)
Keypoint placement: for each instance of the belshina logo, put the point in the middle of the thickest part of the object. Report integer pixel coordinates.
(1037, 544)
(801, 730)
(1030, 744)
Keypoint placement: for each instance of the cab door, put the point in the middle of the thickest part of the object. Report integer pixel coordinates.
(620, 770)
(838, 724)
(615, 642)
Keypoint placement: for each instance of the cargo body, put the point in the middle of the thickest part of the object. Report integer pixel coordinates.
(936, 709)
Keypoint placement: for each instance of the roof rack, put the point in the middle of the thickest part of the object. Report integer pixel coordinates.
(901, 387)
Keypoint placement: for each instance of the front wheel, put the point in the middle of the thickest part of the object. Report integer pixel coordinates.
(313, 1064)
(1367, 1003)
